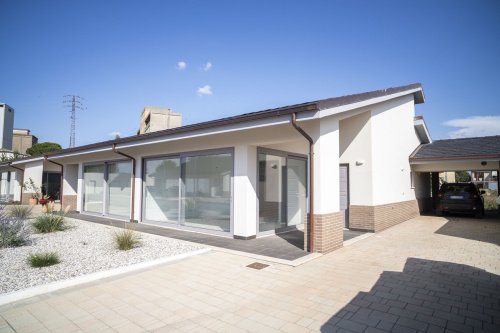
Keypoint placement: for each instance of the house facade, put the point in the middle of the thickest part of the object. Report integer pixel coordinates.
(322, 166)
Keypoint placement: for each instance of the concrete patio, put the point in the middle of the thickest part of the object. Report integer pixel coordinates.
(428, 274)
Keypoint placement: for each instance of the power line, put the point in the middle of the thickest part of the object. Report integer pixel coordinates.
(75, 103)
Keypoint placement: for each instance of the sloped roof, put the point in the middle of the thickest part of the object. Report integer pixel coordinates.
(479, 147)
(415, 89)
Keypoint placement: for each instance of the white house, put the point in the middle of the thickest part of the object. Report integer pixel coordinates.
(344, 160)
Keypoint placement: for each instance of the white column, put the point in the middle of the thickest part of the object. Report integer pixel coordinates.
(245, 191)
(17, 177)
(79, 200)
(138, 189)
(326, 167)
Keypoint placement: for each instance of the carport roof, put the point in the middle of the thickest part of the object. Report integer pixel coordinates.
(466, 148)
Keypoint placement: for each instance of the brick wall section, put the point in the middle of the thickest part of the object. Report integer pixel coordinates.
(328, 232)
(378, 218)
(361, 217)
(69, 200)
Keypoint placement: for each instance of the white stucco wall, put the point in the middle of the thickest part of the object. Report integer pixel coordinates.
(70, 185)
(245, 191)
(33, 170)
(393, 140)
(356, 146)
(326, 166)
(79, 200)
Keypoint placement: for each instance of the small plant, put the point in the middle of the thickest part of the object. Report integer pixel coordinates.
(126, 239)
(43, 259)
(49, 223)
(51, 220)
(13, 231)
(19, 212)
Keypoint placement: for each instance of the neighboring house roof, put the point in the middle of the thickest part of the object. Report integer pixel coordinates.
(480, 147)
(371, 97)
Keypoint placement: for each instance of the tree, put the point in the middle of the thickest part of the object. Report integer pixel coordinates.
(42, 148)
(462, 177)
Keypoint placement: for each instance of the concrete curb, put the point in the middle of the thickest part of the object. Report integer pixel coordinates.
(358, 238)
(293, 263)
(58, 285)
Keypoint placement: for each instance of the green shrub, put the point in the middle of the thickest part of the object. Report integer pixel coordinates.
(49, 222)
(43, 259)
(126, 239)
(13, 231)
(19, 211)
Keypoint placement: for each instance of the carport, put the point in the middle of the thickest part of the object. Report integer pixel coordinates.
(466, 154)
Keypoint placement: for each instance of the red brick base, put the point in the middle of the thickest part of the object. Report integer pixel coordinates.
(377, 218)
(328, 232)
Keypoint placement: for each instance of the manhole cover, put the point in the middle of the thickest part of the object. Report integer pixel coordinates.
(257, 265)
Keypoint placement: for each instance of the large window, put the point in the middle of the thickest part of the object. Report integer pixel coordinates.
(107, 188)
(207, 191)
(161, 189)
(119, 188)
(191, 190)
(93, 179)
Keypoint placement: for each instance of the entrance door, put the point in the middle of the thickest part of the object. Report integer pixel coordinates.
(344, 192)
(51, 184)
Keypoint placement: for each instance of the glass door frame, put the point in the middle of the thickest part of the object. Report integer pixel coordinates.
(182, 156)
(286, 155)
(105, 195)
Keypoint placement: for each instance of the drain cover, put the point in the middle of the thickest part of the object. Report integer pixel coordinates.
(257, 265)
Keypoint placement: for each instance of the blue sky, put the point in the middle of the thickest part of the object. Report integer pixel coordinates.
(123, 55)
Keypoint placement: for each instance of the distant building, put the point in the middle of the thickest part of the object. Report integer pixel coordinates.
(6, 126)
(156, 119)
(22, 140)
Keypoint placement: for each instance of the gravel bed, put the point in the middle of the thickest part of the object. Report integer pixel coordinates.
(84, 248)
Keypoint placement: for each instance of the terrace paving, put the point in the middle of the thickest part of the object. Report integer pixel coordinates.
(429, 274)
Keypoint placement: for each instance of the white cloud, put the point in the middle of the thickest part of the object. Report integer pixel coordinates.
(115, 134)
(474, 126)
(181, 65)
(205, 90)
(207, 66)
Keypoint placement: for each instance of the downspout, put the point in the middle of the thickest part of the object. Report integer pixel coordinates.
(311, 180)
(132, 179)
(22, 180)
(62, 180)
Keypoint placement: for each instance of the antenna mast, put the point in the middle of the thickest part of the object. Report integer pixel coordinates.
(75, 103)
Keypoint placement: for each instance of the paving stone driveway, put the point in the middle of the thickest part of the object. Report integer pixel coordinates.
(428, 274)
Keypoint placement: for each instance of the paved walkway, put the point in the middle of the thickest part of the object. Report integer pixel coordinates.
(428, 274)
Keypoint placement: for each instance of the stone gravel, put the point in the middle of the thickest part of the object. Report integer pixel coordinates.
(84, 248)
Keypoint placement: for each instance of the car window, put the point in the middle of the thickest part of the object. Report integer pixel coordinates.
(458, 188)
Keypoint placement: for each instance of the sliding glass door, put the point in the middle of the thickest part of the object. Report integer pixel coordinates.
(118, 195)
(93, 180)
(282, 190)
(192, 190)
(272, 213)
(206, 196)
(296, 191)
(161, 189)
(107, 188)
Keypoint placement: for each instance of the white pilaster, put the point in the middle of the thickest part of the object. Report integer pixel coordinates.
(326, 166)
(245, 191)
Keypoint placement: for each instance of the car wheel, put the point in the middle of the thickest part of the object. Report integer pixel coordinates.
(480, 214)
